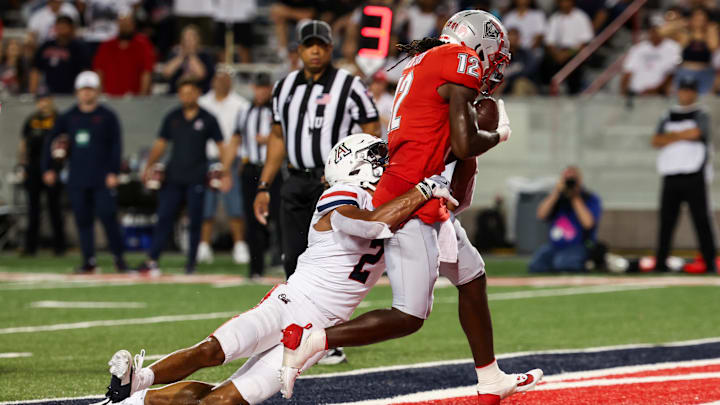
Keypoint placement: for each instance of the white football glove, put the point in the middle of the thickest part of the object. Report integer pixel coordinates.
(503, 128)
(436, 187)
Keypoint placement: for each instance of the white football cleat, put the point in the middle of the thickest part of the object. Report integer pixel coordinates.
(123, 380)
(299, 348)
(491, 394)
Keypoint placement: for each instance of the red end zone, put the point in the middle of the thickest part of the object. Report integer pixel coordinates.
(664, 385)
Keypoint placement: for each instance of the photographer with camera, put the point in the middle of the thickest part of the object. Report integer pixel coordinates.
(573, 213)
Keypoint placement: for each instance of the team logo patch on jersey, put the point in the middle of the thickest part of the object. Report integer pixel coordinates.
(199, 125)
(284, 298)
(491, 30)
(341, 152)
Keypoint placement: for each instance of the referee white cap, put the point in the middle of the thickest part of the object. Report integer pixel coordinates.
(314, 29)
(87, 79)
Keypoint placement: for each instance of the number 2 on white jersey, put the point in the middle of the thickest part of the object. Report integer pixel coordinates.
(403, 88)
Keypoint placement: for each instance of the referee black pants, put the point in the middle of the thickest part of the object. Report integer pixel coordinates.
(257, 235)
(299, 195)
(690, 188)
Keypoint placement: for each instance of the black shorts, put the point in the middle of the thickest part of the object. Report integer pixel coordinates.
(242, 34)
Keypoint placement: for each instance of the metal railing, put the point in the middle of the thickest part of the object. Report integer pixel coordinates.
(593, 46)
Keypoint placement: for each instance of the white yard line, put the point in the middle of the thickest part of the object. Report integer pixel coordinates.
(15, 355)
(191, 317)
(515, 295)
(117, 322)
(86, 304)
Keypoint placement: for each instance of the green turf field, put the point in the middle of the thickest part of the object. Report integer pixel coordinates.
(72, 362)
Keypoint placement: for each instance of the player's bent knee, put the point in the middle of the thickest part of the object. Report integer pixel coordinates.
(211, 351)
(406, 323)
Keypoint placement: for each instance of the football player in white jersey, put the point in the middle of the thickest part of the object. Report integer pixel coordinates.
(344, 259)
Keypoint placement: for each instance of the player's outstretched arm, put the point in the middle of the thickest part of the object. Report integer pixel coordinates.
(466, 140)
(394, 212)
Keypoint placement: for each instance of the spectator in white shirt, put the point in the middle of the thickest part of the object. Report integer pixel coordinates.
(237, 17)
(42, 22)
(569, 30)
(225, 105)
(649, 65)
(529, 21)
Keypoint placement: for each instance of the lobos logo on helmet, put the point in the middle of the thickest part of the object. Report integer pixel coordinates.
(341, 152)
(491, 31)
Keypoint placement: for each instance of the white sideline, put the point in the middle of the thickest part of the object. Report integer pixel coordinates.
(86, 304)
(192, 317)
(616, 370)
(14, 355)
(117, 322)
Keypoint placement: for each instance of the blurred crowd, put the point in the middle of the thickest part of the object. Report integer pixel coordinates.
(142, 47)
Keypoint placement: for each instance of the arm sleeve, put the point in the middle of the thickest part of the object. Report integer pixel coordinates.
(362, 108)
(277, 118)
(149, 56)
(587, 32)
(629, 64)
(551, 37)
(595, 206)
(240, 120)
(661, 125)
(165, 129)
(459, 65)
(703, 123)
(116, 148)
(214, 132)
(336, 196)
(359, 228)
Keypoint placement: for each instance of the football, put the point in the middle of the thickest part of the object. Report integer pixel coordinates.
(487, 114)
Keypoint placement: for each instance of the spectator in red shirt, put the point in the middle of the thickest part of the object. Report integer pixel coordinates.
(125, 63)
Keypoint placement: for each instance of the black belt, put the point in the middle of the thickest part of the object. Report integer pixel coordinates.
(315, 172)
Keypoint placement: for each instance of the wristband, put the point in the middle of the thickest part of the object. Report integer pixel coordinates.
(425, 189)
(263, 186)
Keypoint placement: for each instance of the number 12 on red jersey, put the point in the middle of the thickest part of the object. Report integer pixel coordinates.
(402, 90)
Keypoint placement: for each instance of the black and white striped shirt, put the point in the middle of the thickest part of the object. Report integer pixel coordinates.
(315, 117)
(251, 122)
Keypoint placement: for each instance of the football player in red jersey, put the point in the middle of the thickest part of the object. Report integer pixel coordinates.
(431, 122)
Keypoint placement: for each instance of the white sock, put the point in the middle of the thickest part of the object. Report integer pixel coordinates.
(318, 340)
(489, 374)
(137, 398)
(145, 378)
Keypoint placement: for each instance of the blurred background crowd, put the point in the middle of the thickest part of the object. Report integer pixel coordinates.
(142, 47)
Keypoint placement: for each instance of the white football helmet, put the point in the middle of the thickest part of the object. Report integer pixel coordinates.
(358, 160)
(481, 31)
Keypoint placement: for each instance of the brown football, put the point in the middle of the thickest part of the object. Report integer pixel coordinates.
(487, 114)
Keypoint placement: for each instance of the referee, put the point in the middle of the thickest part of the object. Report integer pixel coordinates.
(313, 108)
(253, 131)
(683, 138)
